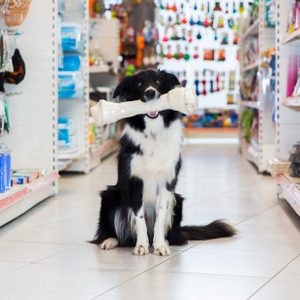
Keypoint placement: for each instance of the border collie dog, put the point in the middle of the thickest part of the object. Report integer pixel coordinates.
(143, 208)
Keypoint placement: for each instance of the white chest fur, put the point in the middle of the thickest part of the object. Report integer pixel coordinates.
(160, 148)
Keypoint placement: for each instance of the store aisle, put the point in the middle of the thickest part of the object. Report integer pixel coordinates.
(43, 254)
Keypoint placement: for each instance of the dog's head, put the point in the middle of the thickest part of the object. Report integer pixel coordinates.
(146, 86)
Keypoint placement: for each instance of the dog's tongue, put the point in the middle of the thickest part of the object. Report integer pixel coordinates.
(153, 114)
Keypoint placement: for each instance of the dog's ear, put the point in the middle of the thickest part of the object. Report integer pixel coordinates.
(169, 78)
(123, 88)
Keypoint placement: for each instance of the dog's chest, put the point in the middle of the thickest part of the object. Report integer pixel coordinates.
(160, 151)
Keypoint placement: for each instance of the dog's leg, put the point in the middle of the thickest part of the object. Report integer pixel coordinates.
(109, 244)
(164, 211)
(136, 195)
(142, 243)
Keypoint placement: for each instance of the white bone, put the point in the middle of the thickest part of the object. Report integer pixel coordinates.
(180, 99)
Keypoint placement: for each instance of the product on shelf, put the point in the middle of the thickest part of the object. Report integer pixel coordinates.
(71, 37)
(294, 17)
(228, 119)
(295, 160)
(70, 63)
(69, 85)
(249, 86)
(23, 176)
(66, 133)
(14, 12)
(249, 127)
(270, 13)
(293, 76)
(5, 167)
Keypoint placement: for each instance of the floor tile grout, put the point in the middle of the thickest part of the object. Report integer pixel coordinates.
(151, 268)
(274, 276)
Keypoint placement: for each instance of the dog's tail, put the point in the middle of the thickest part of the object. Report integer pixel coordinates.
(213, 230)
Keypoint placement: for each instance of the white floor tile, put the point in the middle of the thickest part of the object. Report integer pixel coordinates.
(279, 289)
(27, 251)
(14, 294)
(178, 286)
(115, 259)
(66, 279)
(225, 263)
(8, 266)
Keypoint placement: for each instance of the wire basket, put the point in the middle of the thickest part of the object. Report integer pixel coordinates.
(16, 12)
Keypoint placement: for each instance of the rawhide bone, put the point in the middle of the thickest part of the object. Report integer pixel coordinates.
(180, 99)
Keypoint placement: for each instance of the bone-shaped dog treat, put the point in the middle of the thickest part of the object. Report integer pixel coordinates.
(179, 99)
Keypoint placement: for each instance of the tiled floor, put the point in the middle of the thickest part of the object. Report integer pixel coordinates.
(44, 254)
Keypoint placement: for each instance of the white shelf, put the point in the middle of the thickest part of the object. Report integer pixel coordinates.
(250, 154)
(253, 29)
(293, 102)
(250, 104)
(70, 154)
(21, 198)
(292, 37)
(291, 190)
(251, 66)
(64, 164)
(225, 107)
(99, 69)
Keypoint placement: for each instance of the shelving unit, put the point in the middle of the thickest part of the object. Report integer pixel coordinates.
(77, 109)
(33, 112)
(287, 108)
(264, 103)
(104, 41)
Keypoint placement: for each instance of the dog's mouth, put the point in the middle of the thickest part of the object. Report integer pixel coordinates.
(153, 114)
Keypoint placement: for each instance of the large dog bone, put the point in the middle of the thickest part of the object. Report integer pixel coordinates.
(179, 99)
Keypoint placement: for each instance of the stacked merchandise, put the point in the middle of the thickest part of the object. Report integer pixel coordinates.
(12, 71)
(72, 86)
(257, 85)
(286, 166)
(198, 42)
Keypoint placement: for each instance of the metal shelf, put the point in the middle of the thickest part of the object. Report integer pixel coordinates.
(99, 69)
(250, 104)
(293, 102)
(253, 29)
(292, 38)
(251, 66)
(21, 198)
(291, 190)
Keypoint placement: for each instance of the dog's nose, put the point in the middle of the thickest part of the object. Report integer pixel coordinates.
(149, 94)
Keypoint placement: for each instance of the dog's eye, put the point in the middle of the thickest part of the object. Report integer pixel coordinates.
(157, 82)
(140, 84)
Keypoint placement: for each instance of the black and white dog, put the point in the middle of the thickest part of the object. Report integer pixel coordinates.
(142, 208)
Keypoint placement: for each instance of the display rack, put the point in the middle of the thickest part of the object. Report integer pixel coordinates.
(76, 159)
(33, 112)
(261, 150)
(287, 108)
(104, 45)
(190, 70)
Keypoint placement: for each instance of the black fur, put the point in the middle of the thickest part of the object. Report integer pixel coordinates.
(127, 193)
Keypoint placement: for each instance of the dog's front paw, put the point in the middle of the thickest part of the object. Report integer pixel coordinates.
(141, 250)
(109, 243)
(162, 249)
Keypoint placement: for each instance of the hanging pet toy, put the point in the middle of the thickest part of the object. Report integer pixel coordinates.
(186, 55)
(196, 55)
(217, 7)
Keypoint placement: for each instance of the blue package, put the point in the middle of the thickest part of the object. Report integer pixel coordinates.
(71, 36)
(69, 84)
(71, 62)
(7, 169)
(2, 173)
